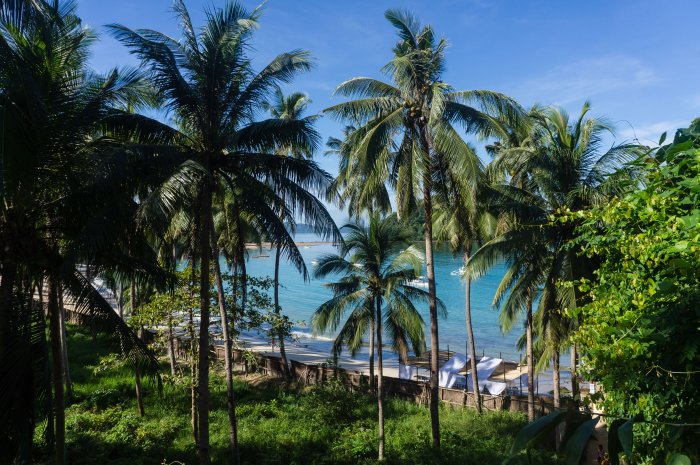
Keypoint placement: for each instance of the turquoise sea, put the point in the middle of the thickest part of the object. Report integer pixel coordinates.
(299, 299)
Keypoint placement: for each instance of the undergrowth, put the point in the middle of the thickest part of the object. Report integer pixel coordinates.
(277, 425)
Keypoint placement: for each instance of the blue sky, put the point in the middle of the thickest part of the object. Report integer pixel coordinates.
(638, 62)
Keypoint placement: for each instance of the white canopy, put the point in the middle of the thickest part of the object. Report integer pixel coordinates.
(484, 369)
(448, 373)
(407, 371)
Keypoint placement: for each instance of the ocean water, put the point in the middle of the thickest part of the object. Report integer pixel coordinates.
(299, 299)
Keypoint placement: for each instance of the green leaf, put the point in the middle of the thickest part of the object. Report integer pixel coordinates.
(681, 245)
(577, 444)
(678, 459)
(624, 434)
(532, 433)
(614, 444)
(675, 433)
(662, 139)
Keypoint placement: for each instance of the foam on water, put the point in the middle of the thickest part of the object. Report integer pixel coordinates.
(298, 334)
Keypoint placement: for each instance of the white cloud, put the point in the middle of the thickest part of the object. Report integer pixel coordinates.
(585, 78)
(649, 134)
(319, 85)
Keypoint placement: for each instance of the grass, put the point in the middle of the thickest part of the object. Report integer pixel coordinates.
(320, 425)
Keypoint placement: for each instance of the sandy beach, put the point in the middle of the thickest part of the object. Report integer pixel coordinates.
(301, 352)
(268, 245)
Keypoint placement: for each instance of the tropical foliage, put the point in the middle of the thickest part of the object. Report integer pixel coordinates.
(59, 178)
(322, 425)
(639, 331)
(376, 269)
(407, 133)
(600, 241)
(208, 83)
(558, 167)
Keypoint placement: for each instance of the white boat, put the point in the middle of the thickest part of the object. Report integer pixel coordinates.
(420, 281)
(458, 272)
(314, 262)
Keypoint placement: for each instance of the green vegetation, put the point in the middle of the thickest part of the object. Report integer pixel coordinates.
(376, 268)
(639, 330)
(276, 425)
(601, 245)
(407, 136)
(554, 165)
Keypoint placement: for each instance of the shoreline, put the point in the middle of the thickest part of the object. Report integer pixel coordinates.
(268, 245)
(311, 354)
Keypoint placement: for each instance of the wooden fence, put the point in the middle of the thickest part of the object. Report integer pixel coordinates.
(320, 373)
(419, 392)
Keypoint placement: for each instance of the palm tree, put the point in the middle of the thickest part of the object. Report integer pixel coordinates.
(557, 170)
(289, 107)
(55, 190)
(360, 192)
(462, 222)
(403, 126)
(375, 266)
(208, 84)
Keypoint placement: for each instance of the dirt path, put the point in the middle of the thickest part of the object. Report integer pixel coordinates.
(601, 437)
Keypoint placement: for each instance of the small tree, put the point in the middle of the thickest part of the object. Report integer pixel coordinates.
(376, 267)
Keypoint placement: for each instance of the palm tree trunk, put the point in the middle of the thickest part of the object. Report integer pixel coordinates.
(530, 359)
(205, 253)
(556, 378)
(228, 358)
(93, 330)
(137, 371)
(280, 334)
(40, 289)
(244, 282)
(57, 370)
(194, 418)
(470, 337)
(234, 290)
(120, 300)
(193, 379)
(380, 379)
(171, 336)
(64, 346)
(574, 374)
(432, 292)
(139, 391)
(371, 354)
(8, 272)
(171, 346)
(557, 394)
(239, 254)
